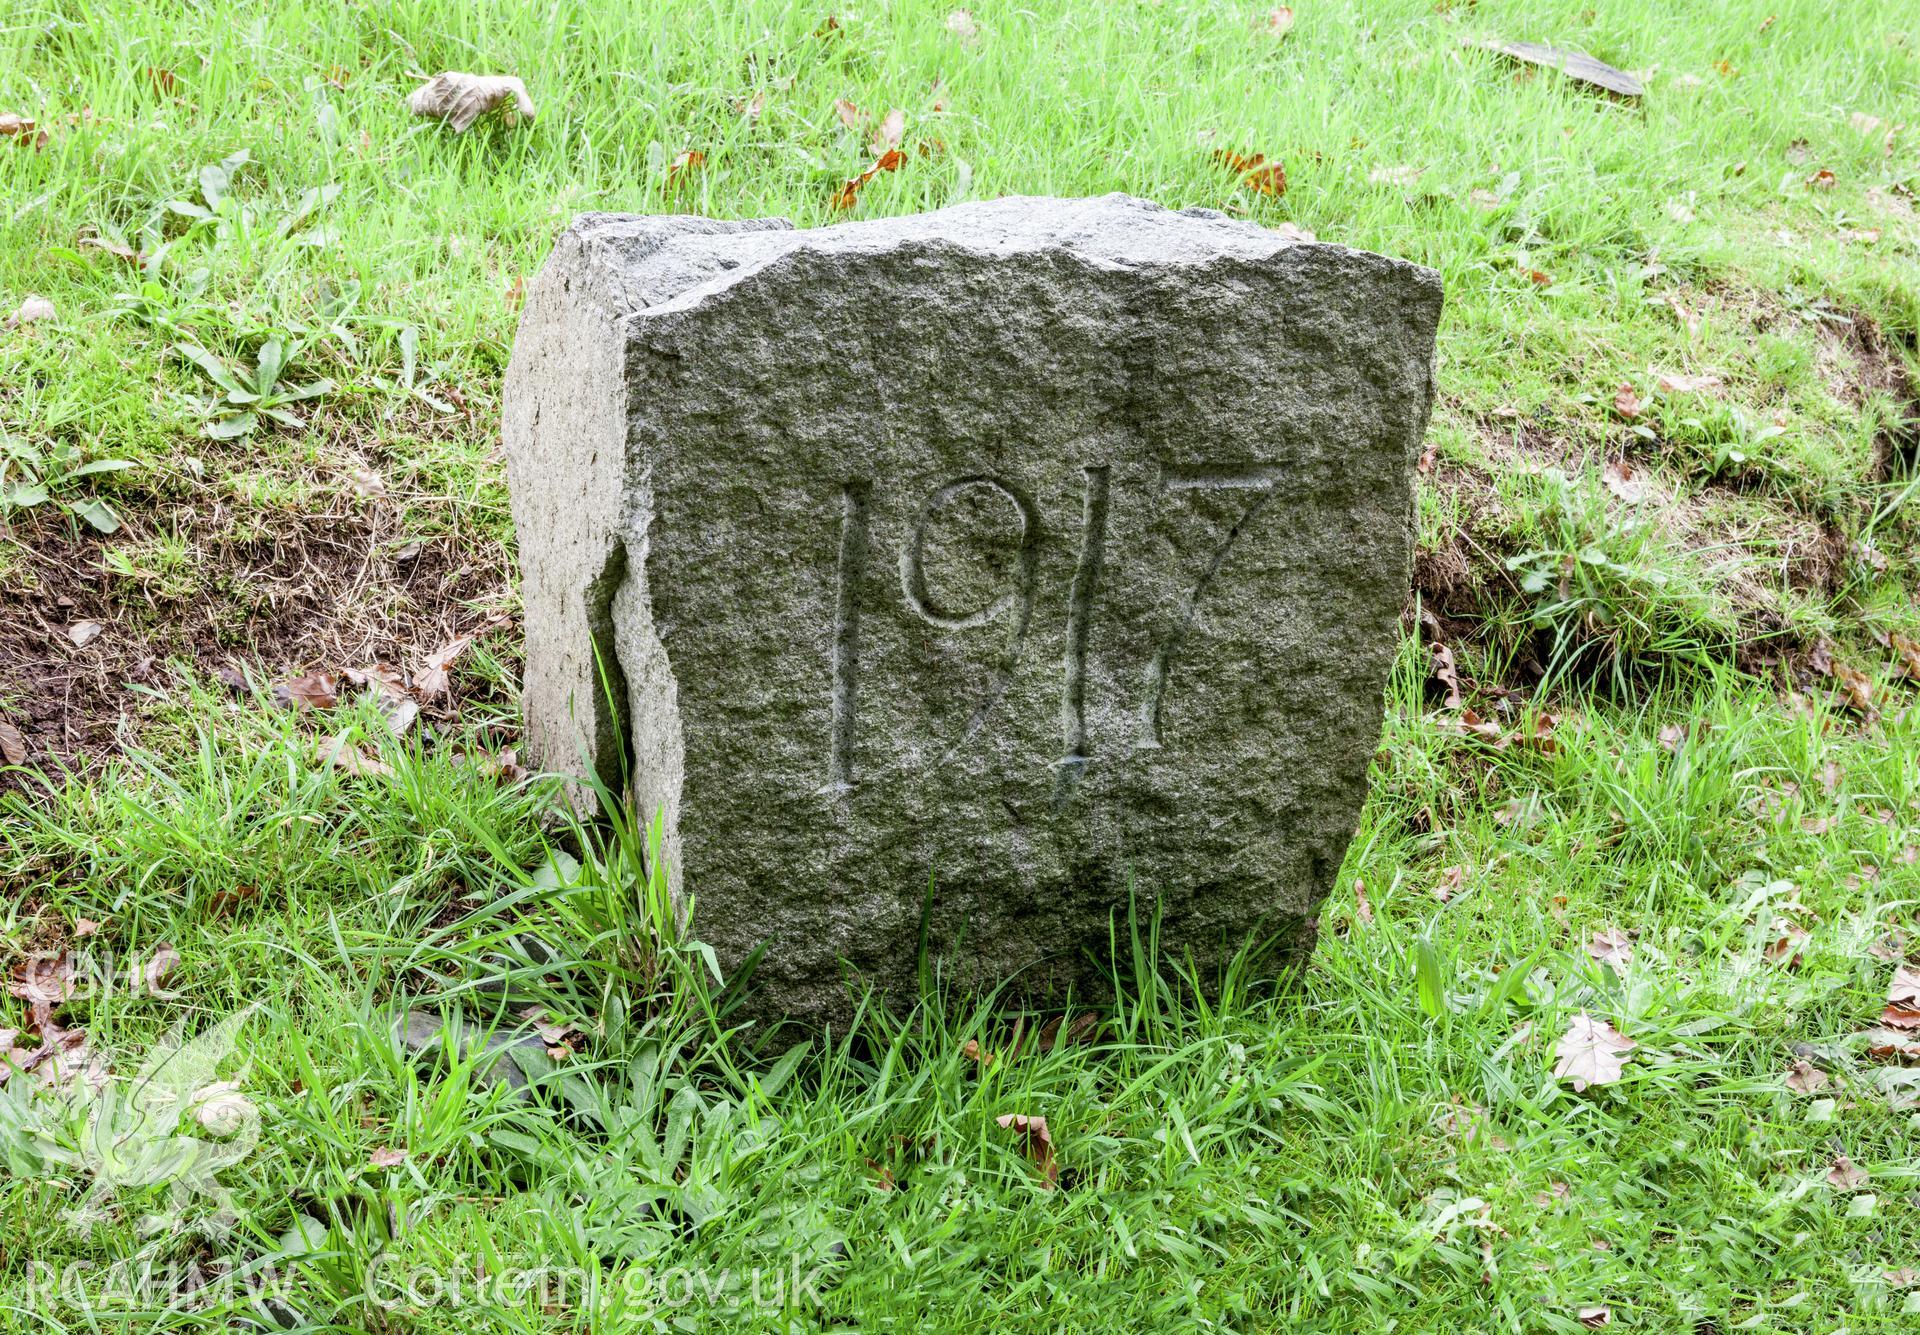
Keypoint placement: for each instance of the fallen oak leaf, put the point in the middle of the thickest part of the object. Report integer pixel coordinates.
(1037, 1142)
(461, 99)
(1591, 1052)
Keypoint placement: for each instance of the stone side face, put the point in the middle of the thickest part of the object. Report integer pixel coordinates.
(982, 569)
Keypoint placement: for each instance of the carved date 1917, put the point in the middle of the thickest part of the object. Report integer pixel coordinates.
(1016, 604)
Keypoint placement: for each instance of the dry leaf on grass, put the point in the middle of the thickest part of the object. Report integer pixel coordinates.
(892, 126)
(1626, 403)
(850, 115)
(43, 982)
(1611, 946)
(960, 23)
(849, 192)
(461, 99)
(164, 960)
(1279, 21)
(1452, 881)
(1806, 1078)
(32, 310)
(1447, 672)
(689, 160)
(1788, 946)
(21, 130)
(1595, 1318)
(316, 690)
(1362, 908)
(1591, 1052)
(1037, 1141)
(1845, 1175)
(386, 1158)
(1672, 383)
(340, 752)
(13, 745)
(1625, 481)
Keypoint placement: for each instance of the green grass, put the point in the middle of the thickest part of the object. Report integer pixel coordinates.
(1381, 1145)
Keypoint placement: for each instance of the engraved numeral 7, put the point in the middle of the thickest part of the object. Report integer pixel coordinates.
(1261, 482)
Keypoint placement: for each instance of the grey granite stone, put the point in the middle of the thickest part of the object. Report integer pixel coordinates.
(960, 577)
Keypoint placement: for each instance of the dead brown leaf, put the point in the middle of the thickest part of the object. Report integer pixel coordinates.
(31, 310)
(1611, 946)
(1591, 1052)
(1674, 383)
(164, 960)
(686, 161)
(1788, 947)
(1452, 881)
(892, 127)
(461, 99)
(1625, 482)
(386, 1158)
(850, 115)
(1626, 403)
(1824, 179)
(1844, 1175)
(22, 130)
(1595, 1318)
(316, 690)
(1037, 1142)
(1361, 907)
(1279, 21)
(1904, 990)
(13, 745)
(849, 192)
(1446, 672)
(1806, 1078)
(42, 981)
(340, 752)
(1907, 651)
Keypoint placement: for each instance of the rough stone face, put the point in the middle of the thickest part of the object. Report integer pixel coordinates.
(957, 577)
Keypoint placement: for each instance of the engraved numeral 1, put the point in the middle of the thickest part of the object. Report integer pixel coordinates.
(1086, 582)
